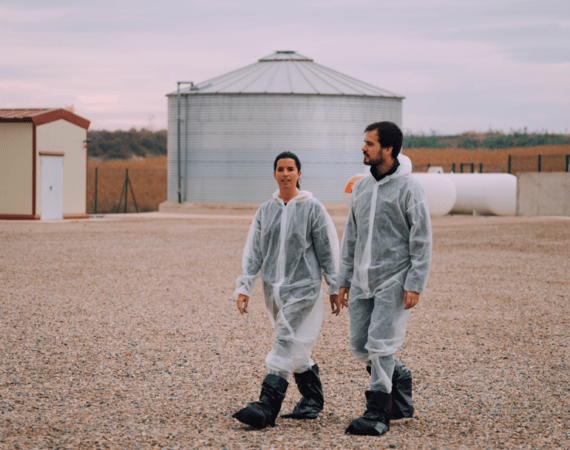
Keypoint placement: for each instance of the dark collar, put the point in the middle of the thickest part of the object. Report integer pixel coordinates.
(374, 171)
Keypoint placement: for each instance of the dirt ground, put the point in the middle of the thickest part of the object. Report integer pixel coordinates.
(122, 332)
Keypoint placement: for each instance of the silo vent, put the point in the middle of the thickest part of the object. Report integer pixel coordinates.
(285, 55)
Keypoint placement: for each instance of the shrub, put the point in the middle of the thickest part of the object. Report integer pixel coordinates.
(126, 144)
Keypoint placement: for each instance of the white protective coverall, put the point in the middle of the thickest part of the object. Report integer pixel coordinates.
(292, 246)
(385, 250)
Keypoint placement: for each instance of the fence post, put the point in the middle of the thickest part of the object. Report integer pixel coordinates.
(126, 188)
(472, 167)
(133, 194)
(453, 167)
(480, 167)
(509, 169)
(96, 190)
(539, 162)
(567, 163)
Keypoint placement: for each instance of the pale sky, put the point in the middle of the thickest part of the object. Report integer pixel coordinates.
(462, 65)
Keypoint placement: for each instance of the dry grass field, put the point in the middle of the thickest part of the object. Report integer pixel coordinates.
(121, 332)
(148, 176)
(438, 156)
(524, 159)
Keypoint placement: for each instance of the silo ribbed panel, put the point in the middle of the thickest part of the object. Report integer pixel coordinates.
(229, 142)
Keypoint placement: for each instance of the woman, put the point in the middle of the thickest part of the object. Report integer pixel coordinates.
(292, 243)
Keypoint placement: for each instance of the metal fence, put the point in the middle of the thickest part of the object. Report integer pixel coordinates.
(124, 190)
(514, 165)
(539, 163)
(463, 167)
(142, 190)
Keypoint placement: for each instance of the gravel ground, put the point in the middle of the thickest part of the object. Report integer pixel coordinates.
(123, 333)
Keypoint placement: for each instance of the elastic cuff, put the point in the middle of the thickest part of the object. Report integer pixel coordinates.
(241, 290)
(332, 291)
(278, 373)
(413, 289)
(411, 286)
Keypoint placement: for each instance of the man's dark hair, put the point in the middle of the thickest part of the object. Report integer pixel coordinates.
(288, 155)
(389, 135)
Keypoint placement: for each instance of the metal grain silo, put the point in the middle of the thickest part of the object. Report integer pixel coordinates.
(224, 133)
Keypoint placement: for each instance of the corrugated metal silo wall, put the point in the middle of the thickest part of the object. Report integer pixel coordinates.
(229, 142)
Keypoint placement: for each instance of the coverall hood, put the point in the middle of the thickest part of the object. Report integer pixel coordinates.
(302, 196)
(404, 168)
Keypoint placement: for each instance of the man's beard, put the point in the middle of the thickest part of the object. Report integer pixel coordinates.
(374, 162)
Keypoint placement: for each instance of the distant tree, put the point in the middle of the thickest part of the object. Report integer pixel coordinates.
(490, 139)
(422, 142)
(498, 142)
(469, 143)
(126, 144)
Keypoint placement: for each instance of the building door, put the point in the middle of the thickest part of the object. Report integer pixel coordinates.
(51, 204)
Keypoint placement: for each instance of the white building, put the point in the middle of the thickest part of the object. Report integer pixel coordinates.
(43, 164)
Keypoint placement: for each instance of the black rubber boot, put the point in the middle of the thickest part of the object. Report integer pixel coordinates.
(311, 389)
(402, 403)
(376, 419)
(264, 412)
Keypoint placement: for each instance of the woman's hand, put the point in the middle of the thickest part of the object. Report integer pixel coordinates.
(335, 304)
(242, 302)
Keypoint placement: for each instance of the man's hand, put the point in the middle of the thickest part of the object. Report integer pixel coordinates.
(343, 293)
(411, 299)
(242, 302)
(335, 304)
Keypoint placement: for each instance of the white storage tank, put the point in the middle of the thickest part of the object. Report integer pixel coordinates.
(440, 191)
(461, 193)
(485, 193)
(233, 126)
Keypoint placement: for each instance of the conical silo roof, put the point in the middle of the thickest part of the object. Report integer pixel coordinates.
(287, 72)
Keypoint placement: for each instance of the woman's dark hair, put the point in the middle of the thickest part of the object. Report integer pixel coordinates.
(288, 155)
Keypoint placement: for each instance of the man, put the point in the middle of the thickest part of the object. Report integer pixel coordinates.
(385, 259)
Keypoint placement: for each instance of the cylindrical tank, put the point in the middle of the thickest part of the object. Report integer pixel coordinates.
(350, 184)
(232, 127)
(440, 191)
(485, 193)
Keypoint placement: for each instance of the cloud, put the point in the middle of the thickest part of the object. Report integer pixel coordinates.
(454, 61)
(98, 98)
(18, 15)
(542, 43)
(542, 54)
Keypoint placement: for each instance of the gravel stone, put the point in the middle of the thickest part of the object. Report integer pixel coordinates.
(121, 331)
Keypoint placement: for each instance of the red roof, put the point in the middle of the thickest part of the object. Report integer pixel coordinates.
(39, 116)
